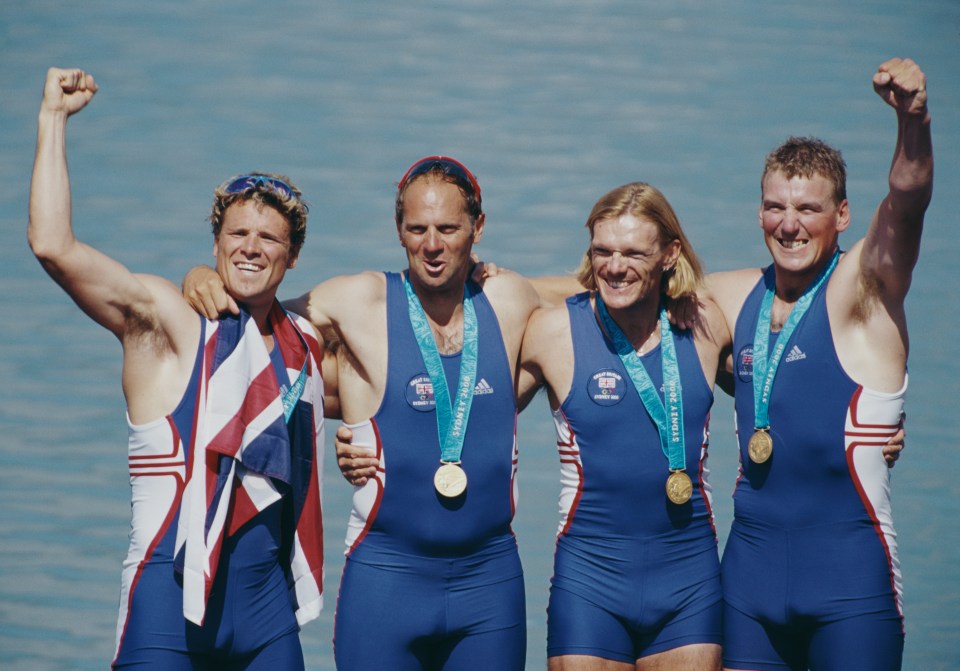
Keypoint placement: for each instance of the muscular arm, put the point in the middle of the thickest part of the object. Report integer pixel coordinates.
(892, 244)
(349, 312)
(158, 332)
(529, 372)
(546, 357)
(513, 299)
(713, 341)
(339, 299)
(554, 289)
(865, 297)
(103, 288)
(338, 304)
(125, 303)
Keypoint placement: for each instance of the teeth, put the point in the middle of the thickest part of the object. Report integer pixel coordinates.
(793, 244)
(617, 285)
(247, 266)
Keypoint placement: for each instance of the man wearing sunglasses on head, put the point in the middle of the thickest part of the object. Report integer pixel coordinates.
(225, 423)
(426, 361)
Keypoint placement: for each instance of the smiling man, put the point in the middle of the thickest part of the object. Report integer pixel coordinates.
(636, 576)
(225, 421)
(810, 571)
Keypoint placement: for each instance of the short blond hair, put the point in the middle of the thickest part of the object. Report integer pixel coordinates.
(266, 188)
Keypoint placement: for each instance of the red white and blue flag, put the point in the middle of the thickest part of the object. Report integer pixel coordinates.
(247, 455)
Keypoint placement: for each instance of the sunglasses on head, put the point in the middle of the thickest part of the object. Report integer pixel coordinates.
(447, 165)
(254, 182)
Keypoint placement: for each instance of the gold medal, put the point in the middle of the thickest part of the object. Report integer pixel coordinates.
(679, 487)
(450, 480)
(760, 446)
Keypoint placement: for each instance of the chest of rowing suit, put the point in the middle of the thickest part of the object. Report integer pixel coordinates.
(812, 537)
(622, 545)
(410, 550)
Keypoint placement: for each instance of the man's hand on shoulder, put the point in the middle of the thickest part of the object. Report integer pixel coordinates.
(204, 290)
(482, 270)
(684, 311)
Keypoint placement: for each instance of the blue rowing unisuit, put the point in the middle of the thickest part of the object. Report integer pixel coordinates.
(811, 560)
(435, 578)
(634, 574)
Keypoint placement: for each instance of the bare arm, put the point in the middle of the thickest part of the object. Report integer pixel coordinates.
(146, 313)
(554, 289)
(892, 244)
(204, 290)
(108, 292)
(72, 264)
(546, 357)
(529, 372)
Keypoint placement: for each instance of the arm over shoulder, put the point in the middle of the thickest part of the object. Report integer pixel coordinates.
(728, 290)
(340, 302)
(554, 289)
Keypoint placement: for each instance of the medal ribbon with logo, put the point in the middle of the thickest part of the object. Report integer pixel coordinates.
(667, 414)
(450, 480)
(760, 445)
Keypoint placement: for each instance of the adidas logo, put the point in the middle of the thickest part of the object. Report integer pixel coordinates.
(795, 355)
(483, 387)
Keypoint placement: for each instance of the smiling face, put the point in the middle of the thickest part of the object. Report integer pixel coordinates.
(629, 261)
(438, 235)
(801, 223)
(253, 252)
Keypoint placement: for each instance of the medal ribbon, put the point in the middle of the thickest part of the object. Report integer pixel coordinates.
(667, 414)
(765, 365)
(293, 394)
(290, 394)
(451, 423)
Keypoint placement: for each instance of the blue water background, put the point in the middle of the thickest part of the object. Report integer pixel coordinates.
(551, 104)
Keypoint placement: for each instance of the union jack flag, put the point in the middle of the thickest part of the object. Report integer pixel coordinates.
(244, 449)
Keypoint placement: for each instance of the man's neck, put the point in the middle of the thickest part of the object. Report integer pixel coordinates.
(789, 286)
(640, 324)
(788, 289)
(261, 317)
(444, 311)
(441, 305)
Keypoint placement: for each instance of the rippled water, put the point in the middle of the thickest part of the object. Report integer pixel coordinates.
(552, 104)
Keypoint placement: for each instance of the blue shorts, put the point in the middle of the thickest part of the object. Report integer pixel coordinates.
(281, 653)
(622, 604)
(402, 612)
(818, 597)
(250, 623)
(863, 643)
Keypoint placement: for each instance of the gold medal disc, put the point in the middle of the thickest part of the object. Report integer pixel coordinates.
(760, 446)
(679, 487)
(450, 480)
